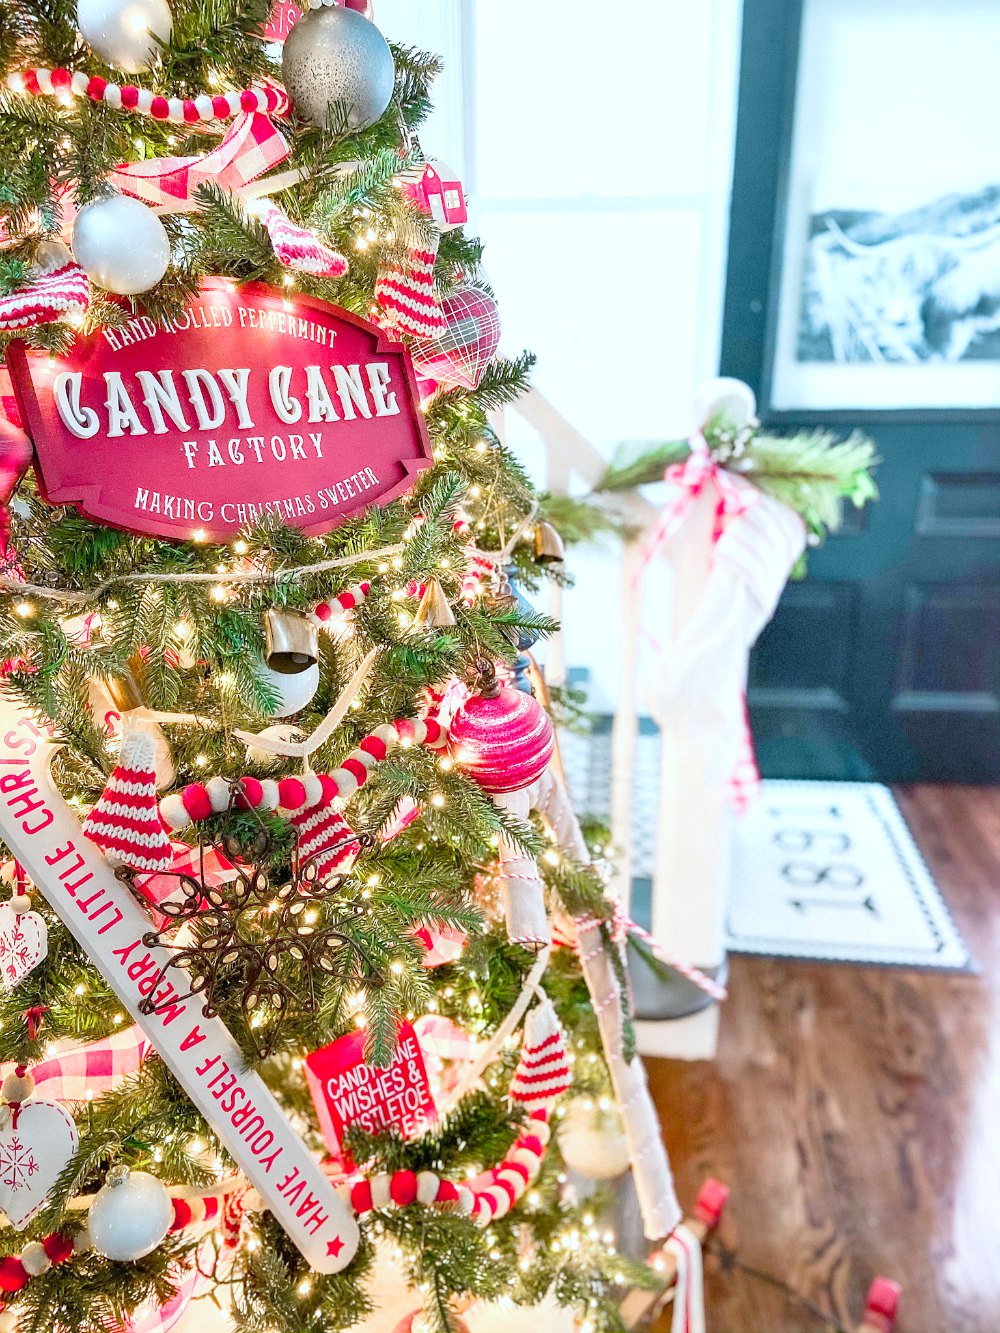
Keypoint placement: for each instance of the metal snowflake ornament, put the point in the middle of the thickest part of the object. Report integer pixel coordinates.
(268, 944)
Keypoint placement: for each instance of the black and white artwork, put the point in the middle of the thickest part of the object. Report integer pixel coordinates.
(918, 285)
(890, 271)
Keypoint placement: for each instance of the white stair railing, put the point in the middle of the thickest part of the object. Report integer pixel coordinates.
(687, 923)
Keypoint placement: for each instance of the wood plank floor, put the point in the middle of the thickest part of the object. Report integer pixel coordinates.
(855, 1113)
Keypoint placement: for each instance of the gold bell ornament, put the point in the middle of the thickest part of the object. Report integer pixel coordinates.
(550, 549)
(292, 641)
(434, 611)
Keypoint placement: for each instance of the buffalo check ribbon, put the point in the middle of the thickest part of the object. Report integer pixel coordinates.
(251, 146)
(89, 1070)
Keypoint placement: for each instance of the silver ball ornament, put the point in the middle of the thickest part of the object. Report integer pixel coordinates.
(292, 692)
(121, 245)
(335, 58)
(130, 1215)
(123, 32)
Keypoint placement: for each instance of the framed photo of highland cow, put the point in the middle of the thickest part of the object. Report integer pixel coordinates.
(886, 275)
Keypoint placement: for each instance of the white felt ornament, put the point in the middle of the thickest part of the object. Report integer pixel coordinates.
(124, 32)
(121, 245)
(130, 1215)
(37, 1140)
(292, 692)
(23, 944)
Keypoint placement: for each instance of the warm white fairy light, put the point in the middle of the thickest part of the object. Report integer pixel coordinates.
(25, 610)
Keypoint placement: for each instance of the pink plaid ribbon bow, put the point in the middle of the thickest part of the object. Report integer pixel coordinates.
(698, 471)
(250, 147)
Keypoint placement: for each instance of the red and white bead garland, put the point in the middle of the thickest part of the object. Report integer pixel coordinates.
(490, 1195)
(288, 796)
(270, 98)
(337, 607)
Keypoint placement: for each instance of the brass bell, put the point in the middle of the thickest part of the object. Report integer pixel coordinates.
(549, 546)
(434, 611)
(292, 641)
(124, 692)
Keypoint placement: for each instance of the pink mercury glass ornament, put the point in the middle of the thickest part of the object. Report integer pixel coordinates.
(504, 738)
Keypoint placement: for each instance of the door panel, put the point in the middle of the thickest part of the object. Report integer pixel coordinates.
(885, 662)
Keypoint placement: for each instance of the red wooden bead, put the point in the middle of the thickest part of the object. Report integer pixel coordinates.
(221, 107)
(196, 801)
(404, 728)
(447, 1192)
(248, 100)
(507, 1187)
(433, 730)
(361, 1196)
(403, 1187)
(58, 1247)
(329, 788)
(130, 96)
(518, 1168)
(96, 87)
(373, 746)
(251, 795)
(13, 1274)
(531, 1143)
(160, 108)
(61, 78)
(191, 114)
(357, 769)
(323, 612)
(31, 82)
(291, 793)
(491, 1203)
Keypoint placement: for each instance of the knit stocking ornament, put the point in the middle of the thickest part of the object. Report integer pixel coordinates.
(56, 286)
(405, 291)
(125, 823)
(298, 248)
(325, 839)
(543, 1072)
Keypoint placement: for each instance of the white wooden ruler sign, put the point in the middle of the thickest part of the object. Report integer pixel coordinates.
(46, 837)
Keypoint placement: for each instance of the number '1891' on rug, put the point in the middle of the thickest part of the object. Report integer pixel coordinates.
(829, 870)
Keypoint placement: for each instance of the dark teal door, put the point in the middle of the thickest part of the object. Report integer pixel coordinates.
(885, 662)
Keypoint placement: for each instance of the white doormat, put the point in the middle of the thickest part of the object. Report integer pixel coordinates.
(828, 870)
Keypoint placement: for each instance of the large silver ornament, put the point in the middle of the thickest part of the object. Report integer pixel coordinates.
(121, 245)
(337, 64)
(119, 31)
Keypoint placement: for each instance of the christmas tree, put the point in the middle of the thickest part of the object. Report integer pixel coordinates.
(311, 990)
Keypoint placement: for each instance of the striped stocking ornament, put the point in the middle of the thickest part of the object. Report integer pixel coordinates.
(326, 839)
(405, 291)
(543, 1072)
(57, 286)
(125, 823)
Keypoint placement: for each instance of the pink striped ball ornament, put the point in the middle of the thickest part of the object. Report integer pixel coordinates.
(504, 739)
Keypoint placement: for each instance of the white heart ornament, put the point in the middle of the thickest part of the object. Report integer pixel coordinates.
(36, 1143)
(23, 944)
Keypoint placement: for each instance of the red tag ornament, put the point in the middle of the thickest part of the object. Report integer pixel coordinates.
(348, 1091)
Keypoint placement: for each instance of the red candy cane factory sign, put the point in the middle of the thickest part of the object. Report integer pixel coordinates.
(249, 403)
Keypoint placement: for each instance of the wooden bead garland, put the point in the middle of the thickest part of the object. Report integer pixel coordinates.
(488, 1196)
(286, 797)
(271, 99)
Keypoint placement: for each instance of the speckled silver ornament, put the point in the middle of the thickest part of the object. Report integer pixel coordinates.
(336, 61)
